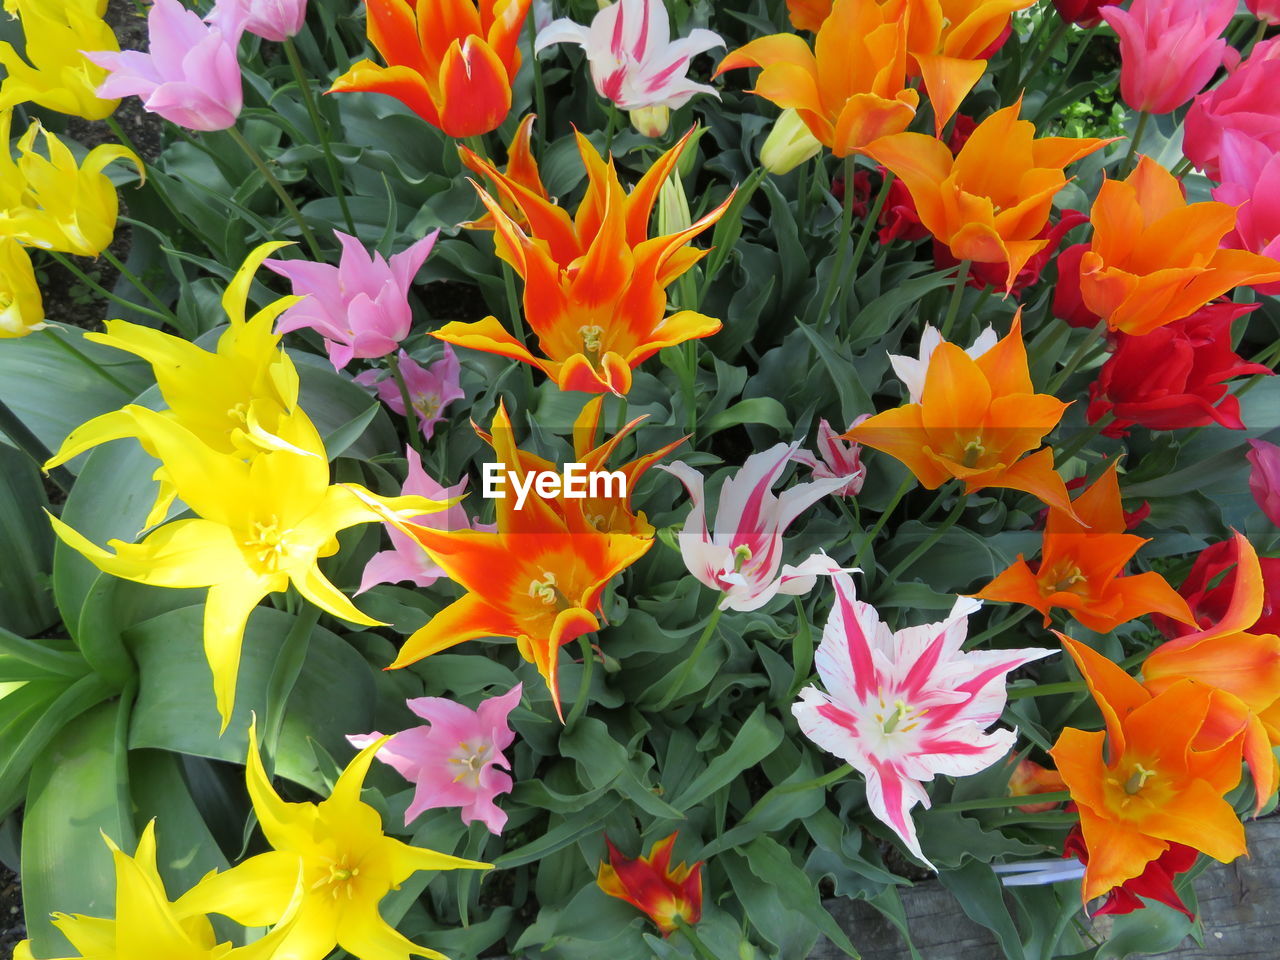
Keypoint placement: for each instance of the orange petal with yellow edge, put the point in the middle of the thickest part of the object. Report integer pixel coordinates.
(900, 433)
(1116, 693)
(403, 83)
(475, 91)
(947, 81)
(466, 618)
(1032, 474)
(1248, 595)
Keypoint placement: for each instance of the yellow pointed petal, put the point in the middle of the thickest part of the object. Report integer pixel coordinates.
(226, 613)
(236, 297)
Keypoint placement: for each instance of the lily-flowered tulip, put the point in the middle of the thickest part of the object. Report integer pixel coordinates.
(1080, 564)
(1169, 49)
(651, 884)
(634, 62)
(1174, 377)
(452, 62)
(851, 88)
(742, 556)
(1250, 174)
(1243, 104)
(1154, 883)
(190, 74)
(1267, 11)
(456, 759)
(274, 20)
(1242, 666)
(912, 371)
(361, 306)
(348, 865)
(1211, 584)
(538, 579)
(1028, 779)
(407, 561)
(1264, 478)
(50, 202)
(233, 399)
(1135, 278)
(990, 202)
(522, 169)
(148, 926)
(975, 420)
(21, 306)
(836, 459)
(902, 708)
(430, 388)
(52, 72)
(1156, 776)
(595, 283)
(259, 526)
(788, 144)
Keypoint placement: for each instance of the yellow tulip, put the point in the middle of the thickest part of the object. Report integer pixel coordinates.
(51, 203)
(55, 72)
(21, 307)
(147, 926)
(348, 866)
(788, 144)
(232, 399)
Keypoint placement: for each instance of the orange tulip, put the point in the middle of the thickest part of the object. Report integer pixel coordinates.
(947, 41)
(851, 88)
(1229, 658)
(1080, 564)
(1156, 777)
(452, 62)
(595, 284)
(974, 422)
(1155, 258)
(653, 885)
(522, 168)
(538, 578)
(990, 201)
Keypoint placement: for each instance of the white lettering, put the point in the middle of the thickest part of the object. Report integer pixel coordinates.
(607, 478)
(522, 490)
(492, 483)
(575, 481)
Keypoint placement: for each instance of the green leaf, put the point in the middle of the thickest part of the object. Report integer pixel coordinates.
(26, 543)
(758, 737)
(981, 896)
(764, 410)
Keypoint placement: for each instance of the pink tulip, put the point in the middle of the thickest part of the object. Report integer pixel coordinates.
(1250, 174)
(1169, 49)
(406, 561)
(361, 306)
(455, 760)
(1245, 103)
(743, 558)
(839, 459)
(904, 707)
(1264, 481)
(633, 61)
(1266, 10)
(274, 20)
(431, 388)
(190, 74)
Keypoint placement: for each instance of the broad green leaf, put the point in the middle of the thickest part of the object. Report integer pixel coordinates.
(26, 544)
(757, 738)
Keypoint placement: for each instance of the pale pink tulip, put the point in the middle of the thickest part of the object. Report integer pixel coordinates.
(456, 759)
(633, 60)
(274, 20)
(743, 558)
(837, 459)
(406, 561)
(912, 371)
(430, 388)
(1264, 480)
(190, 74)
(361, 306)
(1169, 49)
(904, 707)
(1245, 103)
(1250, 174)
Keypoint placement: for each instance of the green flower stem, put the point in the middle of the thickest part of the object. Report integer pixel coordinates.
(517, 327)
(957, 295)
(30, 444)
(611, 129)
(1075, 446)
(1182, 168)
(1046, 689)
(842, 244)
(322, 131)
(410, 415)
(584, 685)
(995, 803)
(1046, 51)
(817, 783)
(884, 517)
(141, 287)
(92, 284)
(475, 143)
(1129, 158)
(996, 629)
(255, 158)
(621, 421)
(178, 215)
(539, 91)
(674, 690)
(869, 228)
(700, 948)
(1258, 34)
(924, 547)
(1090, 347)
(689, 384)
(89, 362)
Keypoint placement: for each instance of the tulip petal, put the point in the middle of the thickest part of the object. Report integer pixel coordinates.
(947, 81)
(475, 92)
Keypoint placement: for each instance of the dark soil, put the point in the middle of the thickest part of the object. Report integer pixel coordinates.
(12, 929)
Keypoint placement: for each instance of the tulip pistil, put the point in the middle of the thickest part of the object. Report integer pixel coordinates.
(1137, 779)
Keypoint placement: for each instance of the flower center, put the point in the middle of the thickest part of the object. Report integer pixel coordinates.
(547, 591)
(1138, 779)
(471, 760)
(1064, 577)
(973, 452)
(340, 879)
(591, 335)
(741, 556)
(268, 545)
(427, 405)
(892, 721)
